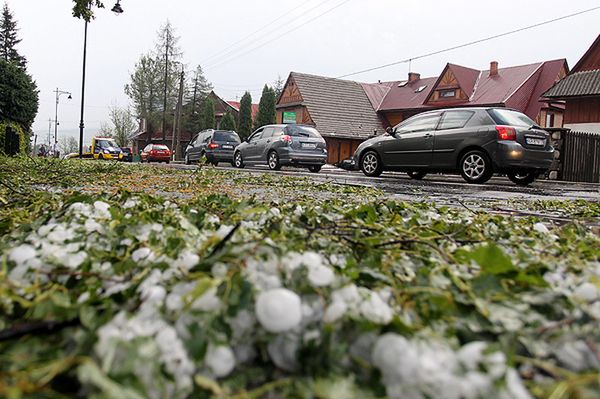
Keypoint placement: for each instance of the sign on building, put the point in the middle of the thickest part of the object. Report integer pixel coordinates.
(289, 117)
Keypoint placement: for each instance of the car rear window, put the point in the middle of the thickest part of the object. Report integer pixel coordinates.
(510, 118)
(160, 147)
(302, 131)
(226, 136)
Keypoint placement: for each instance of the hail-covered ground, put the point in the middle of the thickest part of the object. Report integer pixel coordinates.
(128, 281)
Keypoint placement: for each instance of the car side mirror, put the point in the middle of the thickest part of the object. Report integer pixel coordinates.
(391, 131)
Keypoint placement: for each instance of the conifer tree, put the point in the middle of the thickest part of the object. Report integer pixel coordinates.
(245, 124)
(209, 121)
(228, 122)
(266, 108)
(9, 39)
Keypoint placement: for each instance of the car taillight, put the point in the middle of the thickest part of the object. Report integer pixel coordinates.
(152, 152)
(506, 133)
(212, 146)
(286, 138)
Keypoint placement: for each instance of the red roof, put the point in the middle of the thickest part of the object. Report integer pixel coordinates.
(236, 105)
(591, 59)
(518, 87)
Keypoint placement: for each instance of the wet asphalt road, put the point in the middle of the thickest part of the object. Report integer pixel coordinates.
(442, 189)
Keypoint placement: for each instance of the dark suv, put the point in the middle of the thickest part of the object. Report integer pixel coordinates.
(476, 142)
(216, 145)
(279, 145)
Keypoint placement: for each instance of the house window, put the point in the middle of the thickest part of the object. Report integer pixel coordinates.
(448, 93)
(420, 89)
(549, 119)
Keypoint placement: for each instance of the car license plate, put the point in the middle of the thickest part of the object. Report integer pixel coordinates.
(309, 146)
(534, 141)
(228, 147)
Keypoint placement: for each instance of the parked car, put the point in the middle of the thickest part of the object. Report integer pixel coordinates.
(216, 145)
(475, 142)
(156, 153)
(127, 154)
(279, 145)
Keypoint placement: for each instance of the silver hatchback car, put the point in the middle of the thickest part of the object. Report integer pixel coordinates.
(280, 145)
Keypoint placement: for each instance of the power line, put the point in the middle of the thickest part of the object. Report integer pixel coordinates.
(224, 52)
(469, 43)
(280, 36)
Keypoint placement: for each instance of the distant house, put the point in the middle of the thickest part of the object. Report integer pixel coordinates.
(143, 137)
(581, 92)
(346, 112)
(339, 109)
(223, 107)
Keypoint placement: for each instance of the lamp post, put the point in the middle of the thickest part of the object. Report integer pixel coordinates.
(58, 94)
(117, 10)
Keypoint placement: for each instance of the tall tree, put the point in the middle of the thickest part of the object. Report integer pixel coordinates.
(245, 123)
(144, 90)
(9, 39)
(278, 86)
(209, 121)
(266, 108)
(228, 122)
(123, 124)
(198, 87)
(168, 50)
(18, 95)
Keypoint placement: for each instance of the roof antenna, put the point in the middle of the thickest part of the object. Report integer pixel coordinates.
(409, 65)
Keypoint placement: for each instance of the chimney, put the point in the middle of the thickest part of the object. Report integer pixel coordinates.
(494, 68)
(413, 77)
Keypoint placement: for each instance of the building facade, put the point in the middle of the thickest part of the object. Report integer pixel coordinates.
(580, 91)
(347, 113)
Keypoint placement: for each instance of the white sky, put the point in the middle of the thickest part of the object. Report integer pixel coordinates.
(357, 35)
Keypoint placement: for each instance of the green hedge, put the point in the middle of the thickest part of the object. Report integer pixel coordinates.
(24, 140)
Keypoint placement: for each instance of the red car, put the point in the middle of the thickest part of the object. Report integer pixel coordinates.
(156, 153)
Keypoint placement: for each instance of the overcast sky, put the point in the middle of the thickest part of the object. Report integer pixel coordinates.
(354, 35)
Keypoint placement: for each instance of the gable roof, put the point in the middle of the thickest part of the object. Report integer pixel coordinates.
(519, 87)
(339, 108)
(466, 77)
(591, 59)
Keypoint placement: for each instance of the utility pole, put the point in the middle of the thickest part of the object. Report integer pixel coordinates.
(175, 147)
(179, 113)
(58, 94)
(49, 130)
(164, 119)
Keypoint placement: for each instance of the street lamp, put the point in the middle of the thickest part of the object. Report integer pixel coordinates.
(58, 94)
(117, 10)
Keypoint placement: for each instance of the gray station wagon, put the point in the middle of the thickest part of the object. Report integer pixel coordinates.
(476, 142)
(279, 145)
(216, 145)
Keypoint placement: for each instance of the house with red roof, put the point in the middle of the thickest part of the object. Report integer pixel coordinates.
(347, 112)
(519, 87)
(223, 107)
(581, 92)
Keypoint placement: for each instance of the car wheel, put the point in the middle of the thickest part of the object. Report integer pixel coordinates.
(416, 175)
(522, 178)
(214, 163)
(476, 167)
(168, 161)
(238, 162)
(273, 161)
(371, 164)
(315, 168)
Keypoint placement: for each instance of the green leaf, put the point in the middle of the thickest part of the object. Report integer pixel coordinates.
(492, 259)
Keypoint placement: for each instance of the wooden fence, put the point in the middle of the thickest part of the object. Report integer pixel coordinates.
(580, 157)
